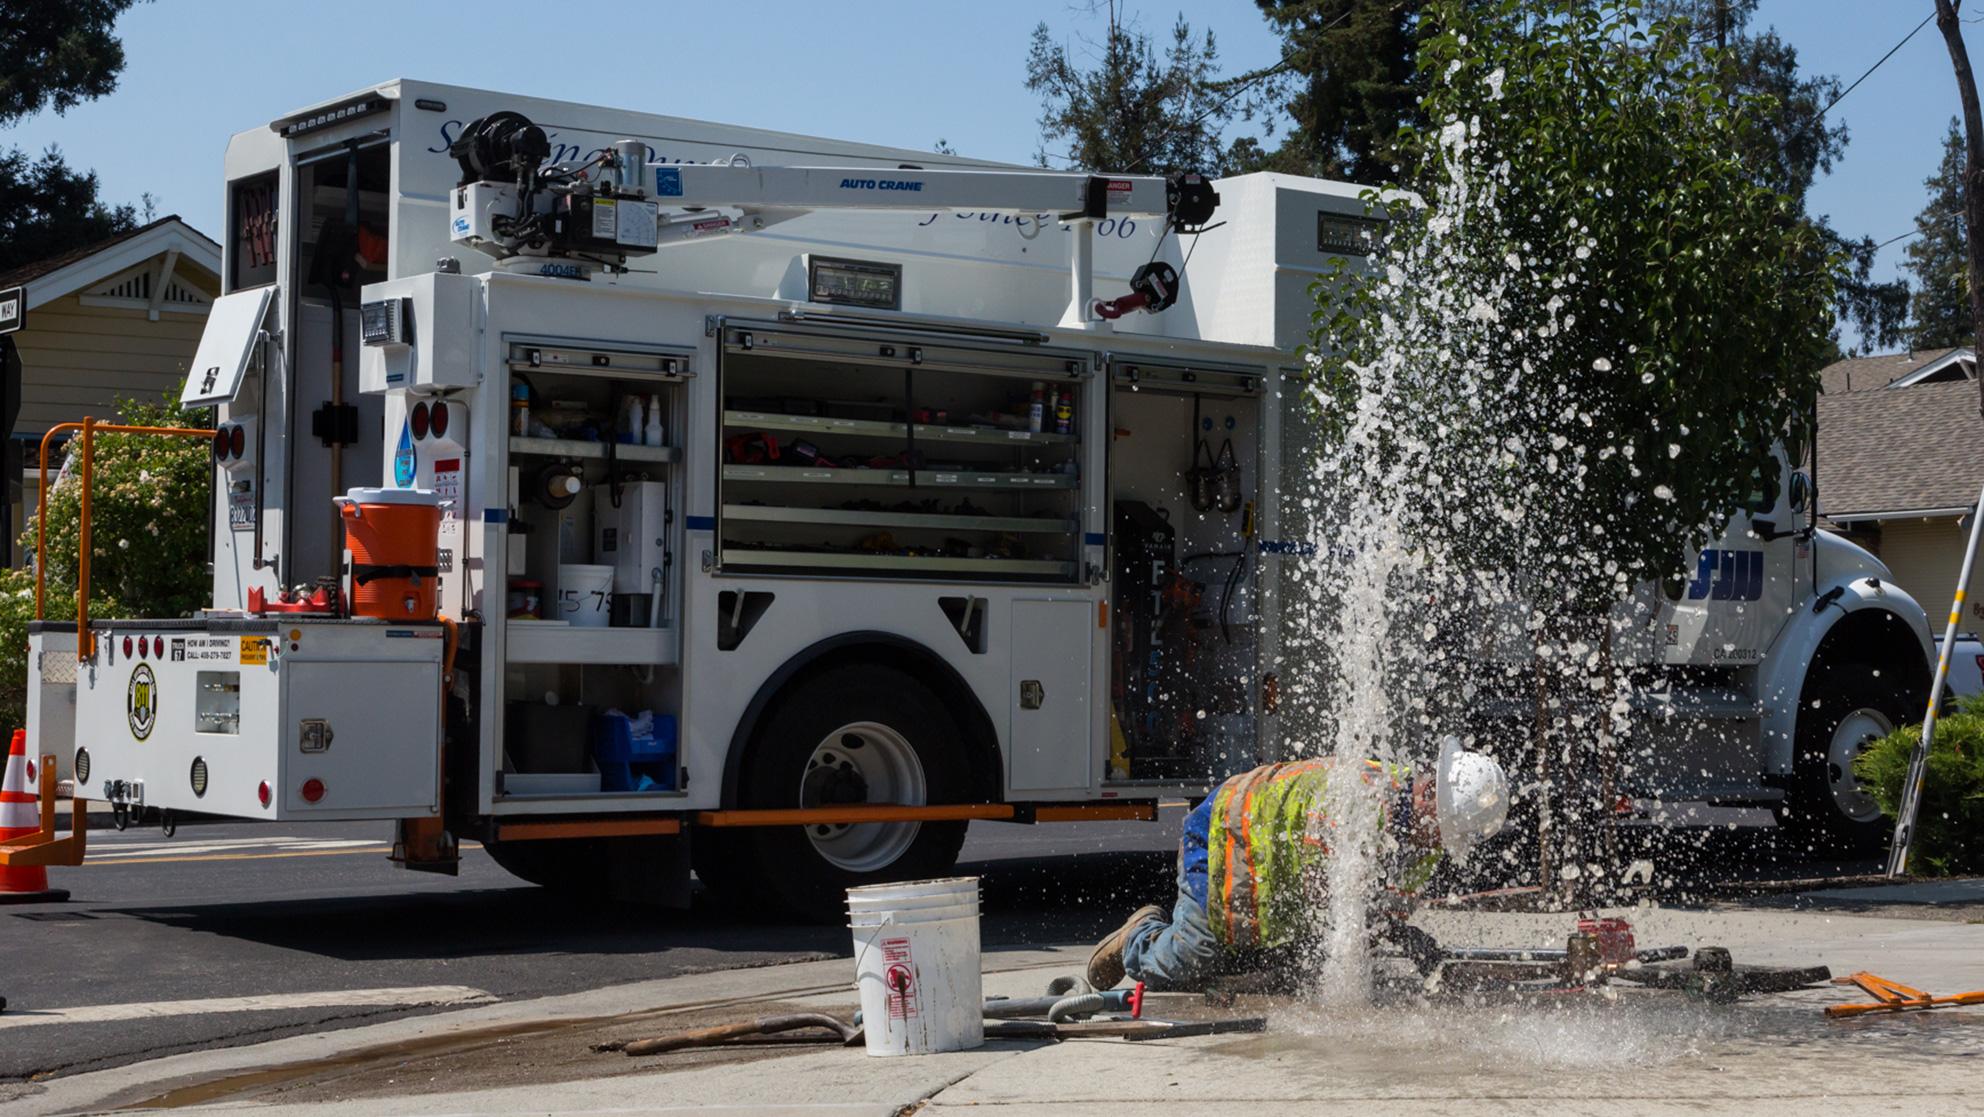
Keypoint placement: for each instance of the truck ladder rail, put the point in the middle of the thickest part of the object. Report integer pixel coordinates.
(85, 641)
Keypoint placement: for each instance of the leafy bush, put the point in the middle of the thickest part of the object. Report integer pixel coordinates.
(1949, 827)
(149, 516)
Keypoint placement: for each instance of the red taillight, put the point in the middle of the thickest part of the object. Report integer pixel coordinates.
(418, 420)
(237, 441)
(262, 793)
(30, 771)
(144, 647)
(127, 647)
(438, 419)
(220, 444)
(313, 789)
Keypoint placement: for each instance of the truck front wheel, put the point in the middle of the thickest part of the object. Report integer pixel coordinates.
(1845, 707)
(850, 735)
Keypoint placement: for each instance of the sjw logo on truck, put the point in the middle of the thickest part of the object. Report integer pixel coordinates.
(1722, 575)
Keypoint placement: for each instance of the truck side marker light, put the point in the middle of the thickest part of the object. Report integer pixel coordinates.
(262, 793)
(313, 790)
(418, 420)
(81, 765)
(199, 777)
(438, 419)
(127, 647)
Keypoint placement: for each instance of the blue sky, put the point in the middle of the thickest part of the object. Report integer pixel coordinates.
(883, 72)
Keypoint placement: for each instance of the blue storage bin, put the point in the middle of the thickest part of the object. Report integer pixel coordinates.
(630, 763)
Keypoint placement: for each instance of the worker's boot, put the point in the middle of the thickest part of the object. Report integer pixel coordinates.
(1105, 966)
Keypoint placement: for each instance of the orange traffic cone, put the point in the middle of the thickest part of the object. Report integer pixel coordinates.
(19, 817)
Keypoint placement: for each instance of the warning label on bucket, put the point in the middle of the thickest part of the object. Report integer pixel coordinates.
(899, 978)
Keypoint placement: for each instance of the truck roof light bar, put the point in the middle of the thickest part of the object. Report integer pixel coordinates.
(294, 126)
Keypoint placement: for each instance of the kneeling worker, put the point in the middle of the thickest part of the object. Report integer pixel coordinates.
(1252, 854)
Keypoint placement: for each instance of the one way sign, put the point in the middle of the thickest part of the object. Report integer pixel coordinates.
(13, 309)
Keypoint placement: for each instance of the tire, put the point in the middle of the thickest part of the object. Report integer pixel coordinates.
(855, 734)
(1843, 708)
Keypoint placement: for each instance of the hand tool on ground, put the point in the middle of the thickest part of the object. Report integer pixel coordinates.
(848, 1034)
(1713, 975)
(1122, 1029)
(1075, 1003)
(1895, 997)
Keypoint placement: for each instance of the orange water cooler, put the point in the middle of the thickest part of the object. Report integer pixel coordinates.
(393, 536)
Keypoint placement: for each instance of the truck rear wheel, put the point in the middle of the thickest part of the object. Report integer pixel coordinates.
(857, 734)
(1845, 707)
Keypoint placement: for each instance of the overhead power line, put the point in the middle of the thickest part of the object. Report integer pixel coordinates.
(1877, 65)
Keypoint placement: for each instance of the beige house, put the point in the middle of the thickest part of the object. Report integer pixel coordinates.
(1901, 458)
(116, 319)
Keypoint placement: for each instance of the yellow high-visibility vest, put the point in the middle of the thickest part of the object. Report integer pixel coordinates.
(1266, 849)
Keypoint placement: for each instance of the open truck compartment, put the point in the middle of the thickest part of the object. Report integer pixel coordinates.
(1185, 666)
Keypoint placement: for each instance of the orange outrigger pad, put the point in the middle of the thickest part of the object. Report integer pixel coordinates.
(1893, 996)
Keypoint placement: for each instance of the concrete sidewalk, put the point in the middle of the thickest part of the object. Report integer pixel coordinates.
(1629, 1053)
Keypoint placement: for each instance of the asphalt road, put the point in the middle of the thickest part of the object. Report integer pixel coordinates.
(234, 933)
(268, 930)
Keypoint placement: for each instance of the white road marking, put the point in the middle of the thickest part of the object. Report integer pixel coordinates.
(183, 849)
(154, 841)
(18, 1016)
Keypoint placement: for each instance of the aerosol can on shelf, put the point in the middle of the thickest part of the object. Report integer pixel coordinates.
(1037, 408)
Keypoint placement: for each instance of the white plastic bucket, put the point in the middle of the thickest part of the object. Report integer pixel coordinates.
(913, 895)
(916, 966)
(585, 594)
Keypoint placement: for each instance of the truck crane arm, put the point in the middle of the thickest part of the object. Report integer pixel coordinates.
(603, 210)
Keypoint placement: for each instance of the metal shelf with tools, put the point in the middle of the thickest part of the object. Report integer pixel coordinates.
(893, 432)
(853, 469)
(898, 478)
(579, 448)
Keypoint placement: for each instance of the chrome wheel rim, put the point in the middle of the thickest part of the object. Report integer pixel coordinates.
(1858, 729)
(862, 762)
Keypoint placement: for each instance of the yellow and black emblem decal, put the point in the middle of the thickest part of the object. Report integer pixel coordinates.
(141, 701)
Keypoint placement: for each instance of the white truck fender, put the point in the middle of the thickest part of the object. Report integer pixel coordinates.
(1781, 674)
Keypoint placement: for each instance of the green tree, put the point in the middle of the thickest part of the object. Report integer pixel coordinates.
(57, 55)
(1345, 83)
(1636, 317)
(54, 56)
(1788, 141)
(1939, 308)
(47, 207)
(1135, 109)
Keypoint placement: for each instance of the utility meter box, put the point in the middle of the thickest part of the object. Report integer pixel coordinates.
(418, 333)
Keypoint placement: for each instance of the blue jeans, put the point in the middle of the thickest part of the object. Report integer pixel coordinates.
(1176, 955)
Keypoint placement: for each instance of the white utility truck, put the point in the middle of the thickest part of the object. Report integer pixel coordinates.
(805, 501)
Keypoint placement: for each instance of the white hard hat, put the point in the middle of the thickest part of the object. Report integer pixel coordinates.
(1473, 797)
